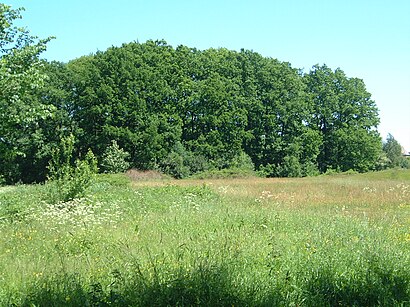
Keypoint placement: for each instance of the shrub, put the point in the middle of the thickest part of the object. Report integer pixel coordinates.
(67, 180)
(196, 163)
(114, 159)
(181, 163)
(290, 167)
(382, 162)
(405, 162)
(242, 161)
(174, 165)
(331, 171)
(310, 169)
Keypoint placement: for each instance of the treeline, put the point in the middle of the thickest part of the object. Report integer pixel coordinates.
(183, 111)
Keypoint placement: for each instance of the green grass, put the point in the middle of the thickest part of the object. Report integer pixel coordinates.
(339, 240)
(393, 174)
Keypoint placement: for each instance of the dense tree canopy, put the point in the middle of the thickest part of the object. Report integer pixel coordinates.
(209, 107)
(181, 110)
(345, 116)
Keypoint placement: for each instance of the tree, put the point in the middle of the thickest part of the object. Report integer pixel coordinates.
(346, 118)
(124, 94)
(278, 110)
(114, 159)
(213, 110)
(20, 76)
(393, 151)
(181, 110)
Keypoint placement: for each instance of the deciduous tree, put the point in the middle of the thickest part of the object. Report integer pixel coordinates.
(21, 76)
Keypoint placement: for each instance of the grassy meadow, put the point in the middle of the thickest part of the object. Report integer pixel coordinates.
(335, 240)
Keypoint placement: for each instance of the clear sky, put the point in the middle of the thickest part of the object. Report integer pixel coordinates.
(368, 39)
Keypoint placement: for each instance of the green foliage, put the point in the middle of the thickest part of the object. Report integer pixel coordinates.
(331, 171)
(117, 179)
(405, 162)
(383, 162)
(393, 152)
(290, 167)
(242, 161)
(68, 180)
(173, 165)
(345, 116)
(197, 163)
(181, 163)
(185, 111)
(114, 159)
(310, 169)
(351, 152)
(21, 76)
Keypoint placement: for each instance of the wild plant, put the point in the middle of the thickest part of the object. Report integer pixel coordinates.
(114, 159)
(68, 180)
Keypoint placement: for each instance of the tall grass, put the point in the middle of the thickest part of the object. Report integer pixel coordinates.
(325, 241)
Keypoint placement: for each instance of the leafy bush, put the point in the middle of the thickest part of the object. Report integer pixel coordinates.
(242, 161)
(114, 159)
(67, 180)
(383, 162)
(331, 171)
(196, 163)
(350, 172)
(181, 163)
(174, 165)
(310, 169)
(290, 167)
(405, 163)
(241, 166)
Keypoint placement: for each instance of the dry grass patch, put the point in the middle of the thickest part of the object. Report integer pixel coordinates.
(360, 195)
(147, 175)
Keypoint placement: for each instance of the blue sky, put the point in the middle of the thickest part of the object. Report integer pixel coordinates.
(368, 39)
